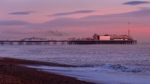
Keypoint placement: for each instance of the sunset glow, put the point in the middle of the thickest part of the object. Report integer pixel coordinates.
(24, 18)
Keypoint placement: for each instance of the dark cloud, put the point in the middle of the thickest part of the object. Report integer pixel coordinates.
(12, 22)
(136, 2)
(22, 13)
(74, 12)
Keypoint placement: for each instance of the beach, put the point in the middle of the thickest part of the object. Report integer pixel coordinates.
(13, 71)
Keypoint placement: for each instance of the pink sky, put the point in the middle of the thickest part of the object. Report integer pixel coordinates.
(68, 18)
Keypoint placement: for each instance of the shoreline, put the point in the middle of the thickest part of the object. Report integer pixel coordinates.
(12, 71)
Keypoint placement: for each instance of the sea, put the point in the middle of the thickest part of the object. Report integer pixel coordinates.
(106, 64)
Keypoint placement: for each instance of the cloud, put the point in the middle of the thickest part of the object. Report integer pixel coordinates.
(12, 22)
(136, 3)
(143, 12)
(22, 13)
(72, 13)
(101, 20)
(84, 22)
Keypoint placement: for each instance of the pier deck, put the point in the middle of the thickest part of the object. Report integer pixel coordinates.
(15, 42)
(104, 42)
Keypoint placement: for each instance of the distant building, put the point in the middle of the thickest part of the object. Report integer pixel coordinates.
(105, 38)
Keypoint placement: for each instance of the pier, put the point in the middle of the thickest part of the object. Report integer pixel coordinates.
(15, 42)
(32, 41)
(96, 39)
(103, 42)
(70, 42)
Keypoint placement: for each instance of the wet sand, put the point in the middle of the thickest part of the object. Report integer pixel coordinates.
(12, 71)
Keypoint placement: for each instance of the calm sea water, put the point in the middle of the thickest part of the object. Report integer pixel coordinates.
(83, 55)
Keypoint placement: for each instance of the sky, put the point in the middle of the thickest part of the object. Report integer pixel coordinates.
(62, 19)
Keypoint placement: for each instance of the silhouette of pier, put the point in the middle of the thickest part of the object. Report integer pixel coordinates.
(15, 42)
(32, 41)
(103, 42)
(43, 41)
